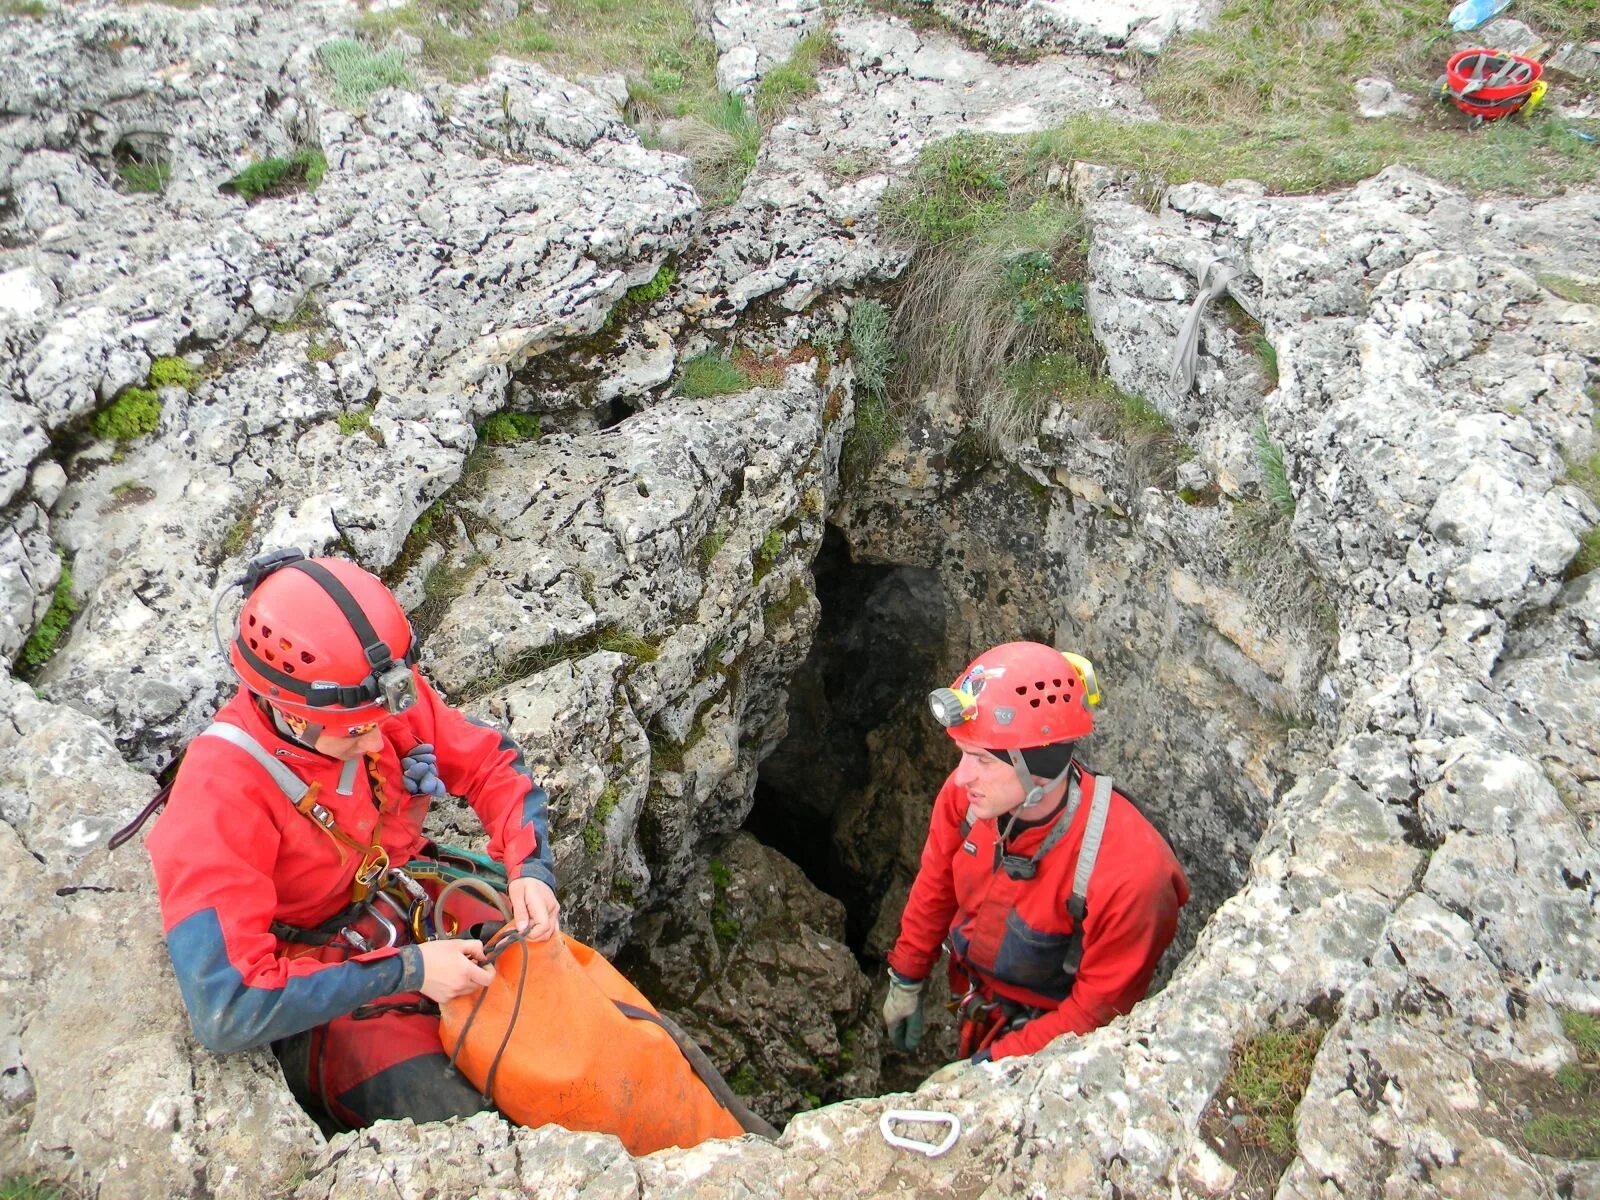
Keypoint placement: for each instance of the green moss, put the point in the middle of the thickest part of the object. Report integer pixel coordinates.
(355, 421)
(744, 1081)
(721, 877)
(504, 428)
(1267, 1080)
(33, 10)
(360, 71)
(1574, 290)
(134, 412)
(307, 317)
(874, 431)
(43, 641)
(279, 176)
(174, 372)
(642, 295)
(708, 374)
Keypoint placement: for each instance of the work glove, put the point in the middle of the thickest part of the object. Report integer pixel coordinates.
(421, 770)
(902, 1010)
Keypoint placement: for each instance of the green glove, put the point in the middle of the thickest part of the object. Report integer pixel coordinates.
(902, 1011)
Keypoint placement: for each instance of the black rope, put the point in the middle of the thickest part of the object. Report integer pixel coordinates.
(509, 936)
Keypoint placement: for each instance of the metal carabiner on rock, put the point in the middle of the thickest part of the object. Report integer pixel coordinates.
(911, 1116)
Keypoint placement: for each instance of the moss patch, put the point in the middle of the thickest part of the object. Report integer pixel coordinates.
(505, 428)
(786, 85)
(174, 372)
(44, 640)
(134, 412)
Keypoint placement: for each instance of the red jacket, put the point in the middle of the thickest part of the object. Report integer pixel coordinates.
(231, 856)
(1011, 935)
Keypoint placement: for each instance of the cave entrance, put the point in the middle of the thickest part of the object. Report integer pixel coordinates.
(828, 798)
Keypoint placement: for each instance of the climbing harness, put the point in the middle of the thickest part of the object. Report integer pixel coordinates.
(985, 1017)
(913, 1117)
(1490, 84)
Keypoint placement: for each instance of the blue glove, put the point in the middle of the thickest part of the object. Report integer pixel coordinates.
(982, 1056)
(422, 772)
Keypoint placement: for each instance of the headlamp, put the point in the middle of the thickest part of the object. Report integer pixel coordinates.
(951, 707)
(1091, 682)
(398, 687)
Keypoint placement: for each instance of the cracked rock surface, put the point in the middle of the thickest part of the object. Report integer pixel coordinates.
(1388, 800)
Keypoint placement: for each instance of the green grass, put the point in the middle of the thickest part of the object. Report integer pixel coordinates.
(37, 12)
(359, 71)
(134, 412)
(1570, 1126)
(308, 317)
(1574, 290)
(279, 176)
(723, 140)
(710, 373)
(21, 1188)
(620, 641)
(959, 188)
(1268, 355)
(1265, 94)
(1267, 1078)
(505, 428)
(874, 431)
(709, 545)
(238, 535)
(1583, 1031)
(144, 176)
(42, 642)
(355, 421)
(1274, 471)
(786, 85)
(767, 553)
(174, 372)
(1584, 473)
(871, 347)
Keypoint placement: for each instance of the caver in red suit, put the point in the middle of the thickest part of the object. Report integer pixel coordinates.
(1053, 895)
(257, 888)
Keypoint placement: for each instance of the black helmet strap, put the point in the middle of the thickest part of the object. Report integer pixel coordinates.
(384, 680)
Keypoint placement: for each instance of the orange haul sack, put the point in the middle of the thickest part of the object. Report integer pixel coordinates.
(574, 1058)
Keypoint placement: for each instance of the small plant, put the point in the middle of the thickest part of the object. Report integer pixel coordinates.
(1574, 290)
(781, 609)
(134, 412)
(1583, 1031)
(1036, 294)
(619, 641)
(307, 316)
(767, 553)
(1274, 471)
(707, 374)
(710, 544)
(961, 184)
(43, 641)
(871, 346)
(1268, 355)
(174, 372)
(140, 176)
(279, 176)
(505, 428)
(874, 431)
(355, 421)
(36, 11)
(1267, 1079)
(723, 140)
(319, 351)
(744, 1081)
(641, 295)
(783, 86)
(594, 830)
(359, 71)
(238, 535)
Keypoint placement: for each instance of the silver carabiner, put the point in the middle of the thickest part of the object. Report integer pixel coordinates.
(387, 925)
(930, 1149)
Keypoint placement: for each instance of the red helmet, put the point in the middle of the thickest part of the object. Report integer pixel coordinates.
(1017, 696)
(323, 639)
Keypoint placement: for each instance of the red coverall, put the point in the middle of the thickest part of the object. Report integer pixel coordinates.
(232, 856)
(1010, 936)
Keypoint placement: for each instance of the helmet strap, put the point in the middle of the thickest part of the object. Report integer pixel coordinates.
(1033, 792)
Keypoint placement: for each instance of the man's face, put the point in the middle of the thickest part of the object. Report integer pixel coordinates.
(992, 784)
(346, 747)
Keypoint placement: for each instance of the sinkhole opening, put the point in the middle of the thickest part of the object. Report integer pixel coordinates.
(774, 954)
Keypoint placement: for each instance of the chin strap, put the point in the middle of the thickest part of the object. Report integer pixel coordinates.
(1032, 792)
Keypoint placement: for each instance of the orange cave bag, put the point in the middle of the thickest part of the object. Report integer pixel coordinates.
(560, 1037)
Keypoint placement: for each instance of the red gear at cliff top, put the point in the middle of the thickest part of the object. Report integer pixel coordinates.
(1001, 864)
(326, 656)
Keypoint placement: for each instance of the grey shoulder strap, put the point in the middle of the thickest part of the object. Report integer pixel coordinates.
(288, 782)
(1093, 834)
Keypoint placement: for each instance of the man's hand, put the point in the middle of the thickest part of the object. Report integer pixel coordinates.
(450, 968)
(534, 909)
(902, 1011)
